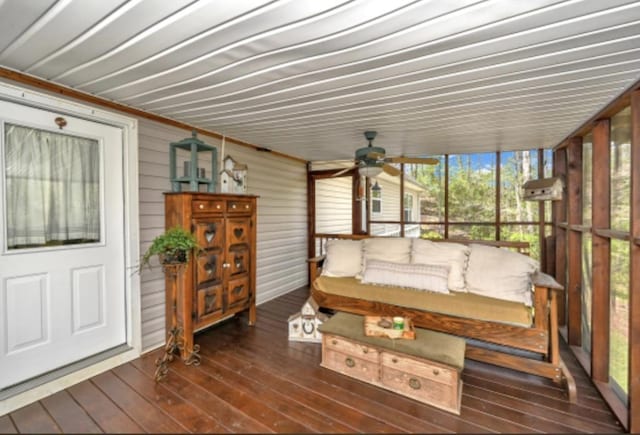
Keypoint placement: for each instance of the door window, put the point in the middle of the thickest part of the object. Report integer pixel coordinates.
(52, 188)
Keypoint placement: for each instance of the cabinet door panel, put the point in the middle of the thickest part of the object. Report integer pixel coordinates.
(238, 231)
(238, 291)
(238, 259)
(208, 268)
(208, 304)
(210, 233)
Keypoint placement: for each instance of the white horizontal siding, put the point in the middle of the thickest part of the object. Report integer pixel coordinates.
(281, 227)
(333, 205)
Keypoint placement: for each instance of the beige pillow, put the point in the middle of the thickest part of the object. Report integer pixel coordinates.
(343, 258)
(455, 255)
(417, 276)
(393, 249)
(500, 273)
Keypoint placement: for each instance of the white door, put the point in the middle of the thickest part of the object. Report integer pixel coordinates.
(62, 265)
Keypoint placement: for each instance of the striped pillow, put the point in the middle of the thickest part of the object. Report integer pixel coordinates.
(431, 277)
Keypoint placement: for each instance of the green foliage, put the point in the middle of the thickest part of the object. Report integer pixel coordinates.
(173, 246)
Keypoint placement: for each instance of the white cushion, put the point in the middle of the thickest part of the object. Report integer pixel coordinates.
(455, 255)
(343, 258)
(417, 276)
(500, 273)
(392, 249)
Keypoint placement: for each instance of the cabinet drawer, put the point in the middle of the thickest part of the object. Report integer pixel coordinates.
(239, 206)
(201, 206)
(350, 365)
(208, 304)
(343, 345)
(238, 291)
(426, 390)
(420, 368)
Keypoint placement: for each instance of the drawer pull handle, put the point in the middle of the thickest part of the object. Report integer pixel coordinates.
(394, 360)
(436, 372)
(414, 383)
(334, 342)
(201, 206)
(365, 350)
(350, 362)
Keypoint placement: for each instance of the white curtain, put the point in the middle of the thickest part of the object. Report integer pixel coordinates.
(53, 187)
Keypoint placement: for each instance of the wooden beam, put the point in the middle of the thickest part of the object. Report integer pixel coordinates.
(102, 102)
(601, 248)
(634, 279)
(558, 216)
(574, 240)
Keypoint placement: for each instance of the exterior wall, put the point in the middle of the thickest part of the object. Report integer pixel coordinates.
(333, 205)
(391, 208)
(282, 218)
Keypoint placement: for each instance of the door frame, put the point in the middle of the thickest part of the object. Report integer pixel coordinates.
(133, 313)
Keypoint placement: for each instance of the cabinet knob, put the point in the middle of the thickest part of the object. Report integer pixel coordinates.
(218, 206)
(233, 206)
(350, 362)
(246, 206)
(415, 384)
(225, 265)
(436, 372)
(201, 206)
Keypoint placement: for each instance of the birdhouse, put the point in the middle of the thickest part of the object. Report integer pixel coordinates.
(303, 326)
(543, 189)
(233, 177)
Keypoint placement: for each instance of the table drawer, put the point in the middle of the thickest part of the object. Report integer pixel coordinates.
(201, 206)
(350, 365)
(239, 206)
(421, 368)
(348, 347)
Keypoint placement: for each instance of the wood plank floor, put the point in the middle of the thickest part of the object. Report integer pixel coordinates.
(252, 379)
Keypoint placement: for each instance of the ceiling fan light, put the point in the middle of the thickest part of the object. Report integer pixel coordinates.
(370, 171)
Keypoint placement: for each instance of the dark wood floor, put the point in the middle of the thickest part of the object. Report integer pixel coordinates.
(255, 380)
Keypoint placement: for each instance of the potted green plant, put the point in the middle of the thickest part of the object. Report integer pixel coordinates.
(172, 247)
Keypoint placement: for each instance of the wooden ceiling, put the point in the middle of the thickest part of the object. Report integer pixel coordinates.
(307, 77)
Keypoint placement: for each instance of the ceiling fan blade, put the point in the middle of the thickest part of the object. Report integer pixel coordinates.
(391, 170)
(344, 171)
(417, 160)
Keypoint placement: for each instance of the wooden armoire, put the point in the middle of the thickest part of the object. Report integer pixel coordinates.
(220, 280)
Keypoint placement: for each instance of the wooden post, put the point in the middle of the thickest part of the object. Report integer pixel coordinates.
(401, 199)
(634, 279)
(601, 247)
(574, 239)
(311, 213)
(497, 199)
(541, 216)
(559, 215)
(446, 196)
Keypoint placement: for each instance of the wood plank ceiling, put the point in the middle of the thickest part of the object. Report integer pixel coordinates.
(307, 77)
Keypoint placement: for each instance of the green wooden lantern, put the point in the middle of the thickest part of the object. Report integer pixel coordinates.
(193, 174)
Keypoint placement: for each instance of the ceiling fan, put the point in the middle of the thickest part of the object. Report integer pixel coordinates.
(371, 161)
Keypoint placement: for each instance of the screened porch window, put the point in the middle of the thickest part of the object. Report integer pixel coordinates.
(52, 188)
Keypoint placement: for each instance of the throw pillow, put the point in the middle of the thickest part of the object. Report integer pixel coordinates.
(417, 276)
(500, 273)
(392, 249)
(343, 258)
(455, 255)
